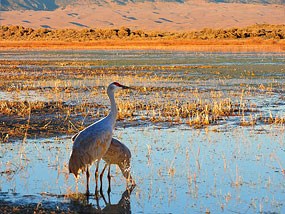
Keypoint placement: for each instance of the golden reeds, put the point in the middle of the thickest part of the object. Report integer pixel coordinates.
(72, 98)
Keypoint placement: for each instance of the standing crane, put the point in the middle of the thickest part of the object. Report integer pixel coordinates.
(119, 154)
(90, 144)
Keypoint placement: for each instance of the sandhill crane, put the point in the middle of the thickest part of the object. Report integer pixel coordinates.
(90, 144)
(119, 154)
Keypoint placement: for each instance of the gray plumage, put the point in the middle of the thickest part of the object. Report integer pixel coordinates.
(90, 144)
(119, 154)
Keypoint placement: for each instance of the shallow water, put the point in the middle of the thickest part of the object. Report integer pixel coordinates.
(179, 169)
(144, 57)
(176, 170)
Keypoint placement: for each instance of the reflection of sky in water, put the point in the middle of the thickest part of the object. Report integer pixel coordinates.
(139, 57)
(176, 170)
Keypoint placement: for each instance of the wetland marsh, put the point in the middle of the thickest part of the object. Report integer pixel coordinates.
(206, 130)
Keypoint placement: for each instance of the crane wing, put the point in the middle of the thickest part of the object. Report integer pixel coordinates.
(89, 145)
(93, 141)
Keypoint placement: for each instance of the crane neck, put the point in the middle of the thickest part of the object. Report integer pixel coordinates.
(114, 108)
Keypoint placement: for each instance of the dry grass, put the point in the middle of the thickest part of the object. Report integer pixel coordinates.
(213, 45)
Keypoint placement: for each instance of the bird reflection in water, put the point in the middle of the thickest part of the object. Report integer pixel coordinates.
(122, 206)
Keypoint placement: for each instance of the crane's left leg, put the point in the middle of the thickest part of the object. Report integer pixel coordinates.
(109, 179)
(96, 178)
(101, 179)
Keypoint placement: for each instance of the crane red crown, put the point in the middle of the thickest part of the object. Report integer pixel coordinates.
(117, 84)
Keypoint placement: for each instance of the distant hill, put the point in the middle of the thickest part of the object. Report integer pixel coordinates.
(28, 5)
(50, 5)
(250, 1)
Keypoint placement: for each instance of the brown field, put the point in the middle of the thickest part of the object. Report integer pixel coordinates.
(214, 45)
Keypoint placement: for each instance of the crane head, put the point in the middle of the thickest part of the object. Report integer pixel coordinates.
(116, 86)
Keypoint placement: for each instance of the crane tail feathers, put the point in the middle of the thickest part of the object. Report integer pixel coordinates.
(76, 163)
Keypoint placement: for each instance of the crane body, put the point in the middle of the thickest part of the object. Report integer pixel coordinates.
(118, 154)
(90, 144)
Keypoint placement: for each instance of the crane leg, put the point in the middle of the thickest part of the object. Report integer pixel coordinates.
(87, 181)
(109, 179)
(102, 194)
(96, 178)
(101, 179)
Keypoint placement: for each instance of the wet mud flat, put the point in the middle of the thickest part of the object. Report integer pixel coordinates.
(194, 124)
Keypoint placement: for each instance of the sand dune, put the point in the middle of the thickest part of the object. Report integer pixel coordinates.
(150, 16)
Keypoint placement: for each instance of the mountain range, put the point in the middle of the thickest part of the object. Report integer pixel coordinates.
(150, 15)
(50, 5)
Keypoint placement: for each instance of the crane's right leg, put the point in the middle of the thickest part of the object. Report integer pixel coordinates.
(87, 181)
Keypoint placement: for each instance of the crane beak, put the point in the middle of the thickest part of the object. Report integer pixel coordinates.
(126, 87)
(122, 86)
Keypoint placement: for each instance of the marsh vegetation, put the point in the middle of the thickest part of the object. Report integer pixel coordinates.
(194, 124)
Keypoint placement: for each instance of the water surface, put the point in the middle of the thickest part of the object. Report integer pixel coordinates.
(224, 167)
